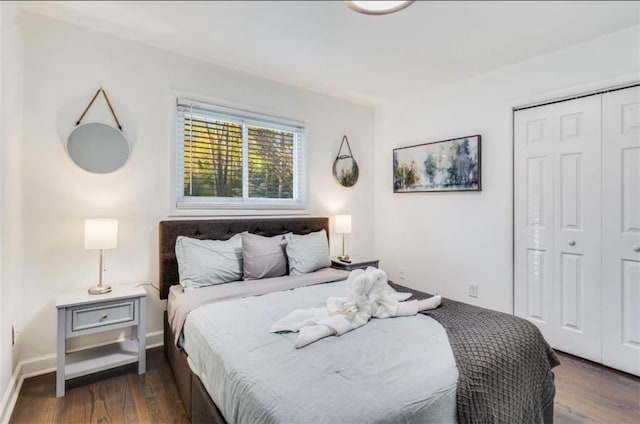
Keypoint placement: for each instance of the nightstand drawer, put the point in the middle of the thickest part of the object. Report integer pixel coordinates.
(83, 318)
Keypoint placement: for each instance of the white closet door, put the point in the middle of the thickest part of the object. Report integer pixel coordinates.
(577, 232)
(621, 229)
(533, 218)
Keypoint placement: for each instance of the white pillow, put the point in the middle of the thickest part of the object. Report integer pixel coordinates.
(307, 253)
(207, 262)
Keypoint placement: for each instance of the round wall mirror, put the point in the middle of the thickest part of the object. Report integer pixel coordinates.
(98, 148)
(345, 171)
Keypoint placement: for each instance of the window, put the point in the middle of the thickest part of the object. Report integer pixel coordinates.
(229, 158)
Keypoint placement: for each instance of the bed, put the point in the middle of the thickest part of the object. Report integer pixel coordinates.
(469, 379)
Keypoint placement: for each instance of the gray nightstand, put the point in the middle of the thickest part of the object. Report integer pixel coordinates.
(356, 263)
(80, 313)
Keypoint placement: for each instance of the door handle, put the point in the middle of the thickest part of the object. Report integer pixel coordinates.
(571, 243)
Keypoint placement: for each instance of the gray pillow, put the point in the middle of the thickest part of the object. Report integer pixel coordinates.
(307, 253)
(263, 257)
(207, 262)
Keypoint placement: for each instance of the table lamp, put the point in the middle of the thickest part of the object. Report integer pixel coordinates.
(100, 234)
(343, 226)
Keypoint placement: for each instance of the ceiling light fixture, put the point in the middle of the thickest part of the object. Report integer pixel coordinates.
(378, 7)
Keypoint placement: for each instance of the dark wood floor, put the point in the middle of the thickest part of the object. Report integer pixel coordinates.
(590, 393)
(585, 393)
(116, 396)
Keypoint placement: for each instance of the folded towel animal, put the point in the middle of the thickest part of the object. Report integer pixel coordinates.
(368, 295)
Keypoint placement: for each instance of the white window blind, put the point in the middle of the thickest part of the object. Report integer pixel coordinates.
(229, 158)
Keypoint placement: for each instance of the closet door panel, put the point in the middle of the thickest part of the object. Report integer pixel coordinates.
(630, 191)
(577, 230)
(572, 286)
(533, 218)
(621, 229)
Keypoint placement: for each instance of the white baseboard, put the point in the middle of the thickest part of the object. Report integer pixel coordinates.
(10, 395)
(155, 339)
(43, 365)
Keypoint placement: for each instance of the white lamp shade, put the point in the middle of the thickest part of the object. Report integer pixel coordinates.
(343, 224)
(100, 234)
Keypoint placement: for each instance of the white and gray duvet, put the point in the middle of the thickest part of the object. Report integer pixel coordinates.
(393, 370)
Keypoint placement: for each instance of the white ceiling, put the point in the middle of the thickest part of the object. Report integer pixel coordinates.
(326, 47)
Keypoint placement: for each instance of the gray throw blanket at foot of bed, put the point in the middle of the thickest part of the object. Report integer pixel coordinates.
(503, 361)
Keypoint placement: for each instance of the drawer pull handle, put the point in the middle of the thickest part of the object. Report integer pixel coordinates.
(104, 316)
(636, 248)
(572, 243)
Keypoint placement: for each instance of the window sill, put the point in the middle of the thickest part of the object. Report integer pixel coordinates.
(221, 211)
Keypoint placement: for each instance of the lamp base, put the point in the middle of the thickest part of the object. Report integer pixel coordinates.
(344, 258)
(99, 289)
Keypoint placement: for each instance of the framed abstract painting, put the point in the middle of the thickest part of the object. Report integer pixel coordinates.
(448, 165)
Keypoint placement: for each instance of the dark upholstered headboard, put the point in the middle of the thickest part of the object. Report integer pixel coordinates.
(222, 229)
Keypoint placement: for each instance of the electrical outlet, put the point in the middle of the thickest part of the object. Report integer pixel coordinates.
(401, 275)
(473, 290)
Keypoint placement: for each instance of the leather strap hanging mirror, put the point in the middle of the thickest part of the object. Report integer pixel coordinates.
(97, 147)
(345, 167)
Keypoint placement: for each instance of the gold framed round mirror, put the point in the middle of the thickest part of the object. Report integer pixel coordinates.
(346, 171)
(345, 167)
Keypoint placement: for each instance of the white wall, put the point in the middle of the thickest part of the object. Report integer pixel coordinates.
(10, 185)
(64, 65)
(444, 241)
(5, 350)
